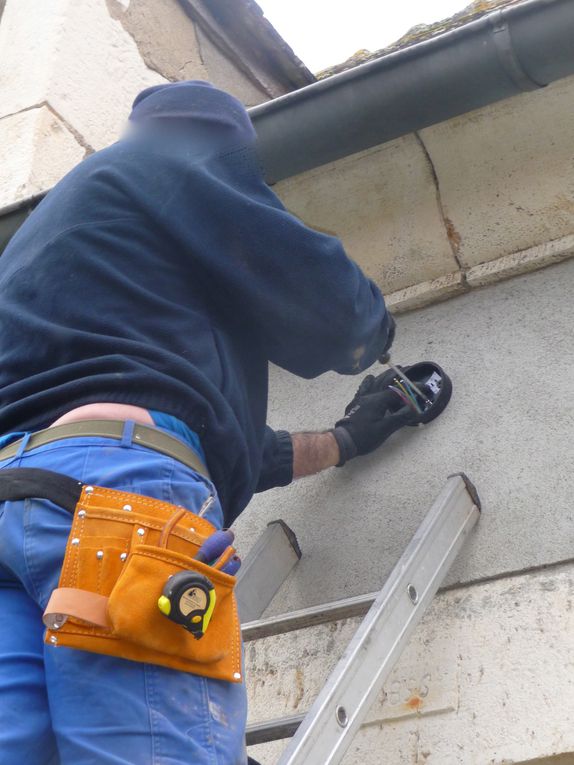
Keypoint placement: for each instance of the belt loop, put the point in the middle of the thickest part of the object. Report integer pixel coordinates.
(23, 445)
(21, 449)
(127, 434)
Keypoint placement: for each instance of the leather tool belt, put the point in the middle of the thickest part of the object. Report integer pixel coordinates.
(121, 551)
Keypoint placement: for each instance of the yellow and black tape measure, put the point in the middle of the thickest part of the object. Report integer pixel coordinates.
(188, 599)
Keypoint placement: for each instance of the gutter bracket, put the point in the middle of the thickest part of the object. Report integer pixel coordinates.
(506, 53)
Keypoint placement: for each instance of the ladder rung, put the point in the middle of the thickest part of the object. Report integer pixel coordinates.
(308, 617)
(273, 730)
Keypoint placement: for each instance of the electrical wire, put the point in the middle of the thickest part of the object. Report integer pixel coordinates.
(402, 376)
(410, 395)
(404, 385)
(402, 396)
(405, 398)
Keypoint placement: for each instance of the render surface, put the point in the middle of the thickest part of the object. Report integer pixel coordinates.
(509, 426)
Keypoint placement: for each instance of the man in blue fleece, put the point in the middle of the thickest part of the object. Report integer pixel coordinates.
(153, 285)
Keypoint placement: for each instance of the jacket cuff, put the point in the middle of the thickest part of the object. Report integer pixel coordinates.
(277, 468)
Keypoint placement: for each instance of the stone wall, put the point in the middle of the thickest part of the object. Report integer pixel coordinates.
(508, 349)
(458, 206)
(499, 654)
(68, 91)
(487, 679)
(433, 214)
(461, 204)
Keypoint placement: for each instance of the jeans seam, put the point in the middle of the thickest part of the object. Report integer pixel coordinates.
(150, 702)
(28, 555)
(213, 756)
(169, 470)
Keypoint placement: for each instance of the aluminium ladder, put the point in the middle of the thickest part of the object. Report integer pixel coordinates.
(322, 736)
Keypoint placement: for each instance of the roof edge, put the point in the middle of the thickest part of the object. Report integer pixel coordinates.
(512, 50)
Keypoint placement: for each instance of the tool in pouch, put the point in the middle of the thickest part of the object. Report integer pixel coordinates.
(123, 551)
(189, 598)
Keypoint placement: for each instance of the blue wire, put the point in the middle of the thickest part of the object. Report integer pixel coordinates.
(410, 388)
(410, 394)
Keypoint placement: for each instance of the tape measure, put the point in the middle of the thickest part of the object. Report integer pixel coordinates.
(188, 599)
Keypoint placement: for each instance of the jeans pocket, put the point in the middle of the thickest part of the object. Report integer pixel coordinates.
(134, 613)
(45, 531)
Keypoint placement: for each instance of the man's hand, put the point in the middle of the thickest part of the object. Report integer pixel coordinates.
(370, 418)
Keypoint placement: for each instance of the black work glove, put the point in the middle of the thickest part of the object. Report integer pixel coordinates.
(385, 353)
(370, 418)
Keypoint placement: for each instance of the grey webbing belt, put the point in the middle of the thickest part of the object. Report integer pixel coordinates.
(142, 435)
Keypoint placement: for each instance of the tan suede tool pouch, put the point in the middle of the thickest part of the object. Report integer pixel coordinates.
(121, 551)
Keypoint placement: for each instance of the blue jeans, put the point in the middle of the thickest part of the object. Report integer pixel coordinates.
(60, 706)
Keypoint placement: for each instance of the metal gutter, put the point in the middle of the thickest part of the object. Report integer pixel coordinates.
(518, 48)
(514, 49)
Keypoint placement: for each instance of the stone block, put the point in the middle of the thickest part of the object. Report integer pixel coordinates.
(383, 205)
(36, 150)
(84, 64)
(506, 173)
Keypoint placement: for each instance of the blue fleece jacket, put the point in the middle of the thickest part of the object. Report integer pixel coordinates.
(163, 272)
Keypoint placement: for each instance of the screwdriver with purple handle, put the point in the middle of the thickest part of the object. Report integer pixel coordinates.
(214, 547)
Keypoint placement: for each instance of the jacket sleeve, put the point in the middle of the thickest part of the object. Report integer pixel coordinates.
(307, 304)
(277, 463)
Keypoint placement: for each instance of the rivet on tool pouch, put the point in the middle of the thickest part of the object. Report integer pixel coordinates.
(150, 585)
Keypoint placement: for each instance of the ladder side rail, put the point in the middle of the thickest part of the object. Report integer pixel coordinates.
(265, 569)
(337, 713)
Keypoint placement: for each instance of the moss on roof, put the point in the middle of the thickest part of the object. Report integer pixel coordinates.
(419, 33)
